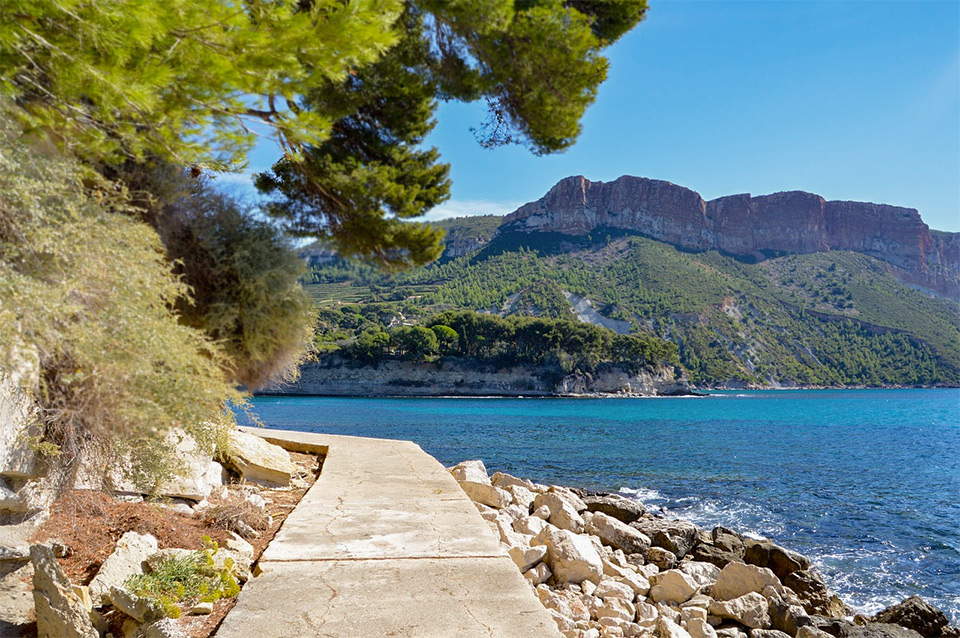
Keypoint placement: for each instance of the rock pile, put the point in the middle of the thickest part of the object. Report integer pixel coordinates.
(604, 567)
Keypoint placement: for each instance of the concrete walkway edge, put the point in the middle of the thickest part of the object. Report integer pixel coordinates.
(385, 543)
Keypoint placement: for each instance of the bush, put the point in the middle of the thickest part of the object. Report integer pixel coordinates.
(188, 579)
(87, 287)
(243, 273)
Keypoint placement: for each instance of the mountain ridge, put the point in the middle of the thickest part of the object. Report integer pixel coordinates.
(749, 227)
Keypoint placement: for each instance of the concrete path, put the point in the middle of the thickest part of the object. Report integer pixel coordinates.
(385, 543)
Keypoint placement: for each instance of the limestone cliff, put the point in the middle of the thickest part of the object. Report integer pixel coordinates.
(333, 376)
(753, 228)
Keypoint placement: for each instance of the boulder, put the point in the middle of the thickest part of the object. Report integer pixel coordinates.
(768, 633)
(163, 628)
(813, 592)
(677, 536)
(704, 574)
(563, 512)
(636, 582)
(256, 460)
(672, 586)
(538, 574)
(200, 474)
(809, 631)
(472, 471)
(786, 617)
(572, 558)
(700, 628)
(610, 588)
(623, 509)
(749, 610)
(915, 613)
(486, 494)
(614, 607)
(662, 558)
(687, 613)
(737, 579)
(127, 559)
(569, 495)
(877, 630)
(667, 628)
(521, 496)
(529, 525)
(722, 546)
(615, 533)
(526, 557)
(137, 607)
(18, 380)
(60, 611)
(779, 560)
(504, 481)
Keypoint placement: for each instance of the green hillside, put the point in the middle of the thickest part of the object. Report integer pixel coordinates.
(834, 318)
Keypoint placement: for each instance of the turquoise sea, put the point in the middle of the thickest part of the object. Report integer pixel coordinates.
(865, 482)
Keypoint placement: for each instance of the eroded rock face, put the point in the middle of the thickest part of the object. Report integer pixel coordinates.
(61, 613)
(754, 227)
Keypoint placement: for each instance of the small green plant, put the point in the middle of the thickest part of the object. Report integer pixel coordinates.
(205, 575)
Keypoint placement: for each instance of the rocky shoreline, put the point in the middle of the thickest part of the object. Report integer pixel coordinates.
(605, 567)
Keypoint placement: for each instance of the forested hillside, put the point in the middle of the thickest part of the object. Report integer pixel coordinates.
(828, 318)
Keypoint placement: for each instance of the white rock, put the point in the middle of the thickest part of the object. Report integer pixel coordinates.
(686, 613)
(616, 608)
(486, 494)
(473, 471)
(700, 628)
(201, 608)
(526, 557)
(529, 525)
(521, 496)
(648, 570)
(504, 480)
(538, 574)
(704, 574)
(647, 615)
(542, 512)
(563, 514)
(667, 628)
(61, 613)
(609, 588)
(257, 460)
(749, 610)
(616, 534)
(672, 586)
(571, 557)
(699, 600)
(18, 381)
(809, 631)
(668, 611)
(636, 582)
(125, 561)
(737, 579)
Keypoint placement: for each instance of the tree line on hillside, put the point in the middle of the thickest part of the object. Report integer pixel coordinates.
(357, 332)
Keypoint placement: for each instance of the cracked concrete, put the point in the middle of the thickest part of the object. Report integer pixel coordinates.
(385, 543)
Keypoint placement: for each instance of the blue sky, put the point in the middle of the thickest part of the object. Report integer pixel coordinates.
(848, 99)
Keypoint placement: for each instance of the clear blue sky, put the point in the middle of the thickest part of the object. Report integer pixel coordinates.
(848, 99)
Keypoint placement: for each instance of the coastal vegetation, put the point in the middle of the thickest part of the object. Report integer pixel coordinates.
(833, 318)
(357, 332)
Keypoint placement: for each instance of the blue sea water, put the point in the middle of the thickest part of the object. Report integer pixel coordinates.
(865, 482)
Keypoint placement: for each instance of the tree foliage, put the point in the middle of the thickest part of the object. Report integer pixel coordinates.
(179, 79)
(536, 64)
(243, 274)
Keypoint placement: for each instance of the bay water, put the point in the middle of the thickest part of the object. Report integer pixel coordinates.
(865, 482)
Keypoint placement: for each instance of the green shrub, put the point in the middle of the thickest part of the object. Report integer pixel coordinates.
(185, 580)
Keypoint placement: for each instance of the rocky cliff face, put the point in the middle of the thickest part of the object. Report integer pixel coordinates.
(332, 376)
(749, 227)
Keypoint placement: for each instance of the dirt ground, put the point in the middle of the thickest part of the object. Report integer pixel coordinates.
(90, 523)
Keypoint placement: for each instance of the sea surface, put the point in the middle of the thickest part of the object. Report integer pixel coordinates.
(865, 482)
